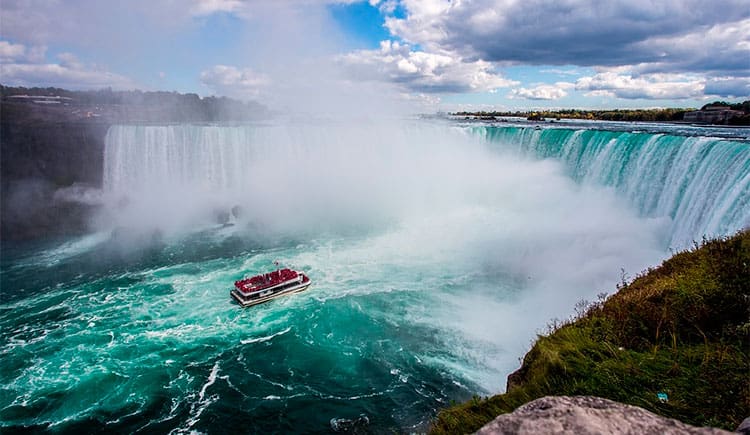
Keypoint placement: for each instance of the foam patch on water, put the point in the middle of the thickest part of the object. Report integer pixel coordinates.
(201, 404)
(265, 338)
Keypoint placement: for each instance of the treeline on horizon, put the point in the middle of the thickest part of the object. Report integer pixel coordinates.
(646, 115)
(159, 105)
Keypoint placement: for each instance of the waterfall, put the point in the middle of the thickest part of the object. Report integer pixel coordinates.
(143, 157)
(701, 183)
(322, 174)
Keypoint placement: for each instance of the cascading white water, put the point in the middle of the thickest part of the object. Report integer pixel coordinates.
(328, 172)
(701, 183)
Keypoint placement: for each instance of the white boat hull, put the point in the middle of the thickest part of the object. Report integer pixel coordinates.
(251, 299)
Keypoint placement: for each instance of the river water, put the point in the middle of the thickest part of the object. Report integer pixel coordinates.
(437, 251)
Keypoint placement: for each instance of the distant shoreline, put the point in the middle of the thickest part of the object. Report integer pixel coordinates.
(514, 118)
(735, 133)
(716, 113)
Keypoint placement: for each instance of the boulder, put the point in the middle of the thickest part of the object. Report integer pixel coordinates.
(744, 427)
(587, 415)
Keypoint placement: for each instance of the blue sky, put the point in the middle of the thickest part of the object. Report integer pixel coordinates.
(433, 54)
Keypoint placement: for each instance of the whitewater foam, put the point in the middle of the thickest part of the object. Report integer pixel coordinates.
(265, 338)
(701, 183)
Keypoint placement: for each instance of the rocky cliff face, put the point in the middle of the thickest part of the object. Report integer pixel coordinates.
(42, 151)
(63, 153)
(586, 415)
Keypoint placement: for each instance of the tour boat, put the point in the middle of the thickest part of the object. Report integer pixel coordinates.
(264, 287)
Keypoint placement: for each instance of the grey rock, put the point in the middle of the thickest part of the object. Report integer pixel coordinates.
(744, 427)
(587, 415)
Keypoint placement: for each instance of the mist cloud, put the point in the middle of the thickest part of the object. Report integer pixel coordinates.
(426, 198)
(229, 80)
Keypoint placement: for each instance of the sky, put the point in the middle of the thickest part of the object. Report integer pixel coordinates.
(437, 55)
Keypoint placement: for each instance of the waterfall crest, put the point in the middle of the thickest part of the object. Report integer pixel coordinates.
(701, 183)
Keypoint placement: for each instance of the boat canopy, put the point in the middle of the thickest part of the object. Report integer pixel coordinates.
(266, 280)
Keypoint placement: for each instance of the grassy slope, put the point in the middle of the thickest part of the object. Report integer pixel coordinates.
(682, 328)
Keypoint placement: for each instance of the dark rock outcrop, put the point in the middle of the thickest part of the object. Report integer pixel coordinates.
(50, 145)
(43, 151)
(587, 415)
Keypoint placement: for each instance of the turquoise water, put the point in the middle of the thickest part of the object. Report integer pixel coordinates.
(157, 344)
(701, 183)
(435, 254)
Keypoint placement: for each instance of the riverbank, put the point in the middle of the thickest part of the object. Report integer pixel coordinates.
(673, 341)
(716, 113)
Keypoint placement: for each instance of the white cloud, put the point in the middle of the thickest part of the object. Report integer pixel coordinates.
(10, 52)
(543, 91)
(233, 81)
(70, 60)
(60, 75)
(620, 84)
(208, 7)
(424, 23)
(385, 6)
(23, 66)
(423, 72)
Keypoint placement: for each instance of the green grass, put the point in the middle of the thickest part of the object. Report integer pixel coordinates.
(682, 329)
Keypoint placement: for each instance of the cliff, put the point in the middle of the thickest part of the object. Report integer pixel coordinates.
(44, 149)
(675, 341)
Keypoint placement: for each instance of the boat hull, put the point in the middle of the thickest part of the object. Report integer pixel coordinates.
(250, 299)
